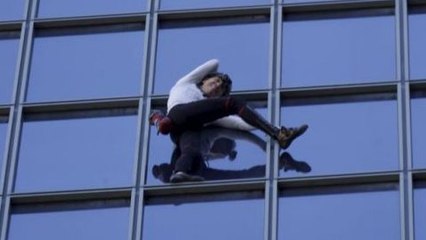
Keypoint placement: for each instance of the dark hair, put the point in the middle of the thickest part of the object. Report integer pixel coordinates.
(226, 81)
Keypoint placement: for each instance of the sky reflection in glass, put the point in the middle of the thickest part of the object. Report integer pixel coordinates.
(3, 131)
(207, 220)
(241, 49)
(8, 58)
(349, 216)
(190, 4)
(68, 8)
(345, 137)
(420, 213)
(418, 118)
(417, 38)
(82, 224)
(338, 51)
(76, 153)
(71, 67)
(11, 10)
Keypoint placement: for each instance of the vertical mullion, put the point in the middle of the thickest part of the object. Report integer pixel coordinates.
(406, 185)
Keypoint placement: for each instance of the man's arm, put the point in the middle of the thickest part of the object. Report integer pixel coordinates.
(196, 75)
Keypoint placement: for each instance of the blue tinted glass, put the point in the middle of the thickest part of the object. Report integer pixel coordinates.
(86, 224)
(338, 51)
(420, 213)
(207, 220)
(349, 216)
(3, 131)
(418, 118)
(180, 50)
(68, 67)
(76, 153)
(417, 46)
(182, 4)
(345, 137)
(227, 154)
(307, 1)
(8, 58)
(64, 8)
(11, 10)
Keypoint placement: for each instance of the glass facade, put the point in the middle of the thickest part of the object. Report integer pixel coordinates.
(80, 160)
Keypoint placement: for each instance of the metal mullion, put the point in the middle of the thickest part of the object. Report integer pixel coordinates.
(271, 189)
(144, 106)
(406, 185)
(16, 116)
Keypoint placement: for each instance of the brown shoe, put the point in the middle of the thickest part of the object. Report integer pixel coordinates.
(287, 135)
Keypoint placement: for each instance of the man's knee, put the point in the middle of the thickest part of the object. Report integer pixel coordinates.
(234, 104)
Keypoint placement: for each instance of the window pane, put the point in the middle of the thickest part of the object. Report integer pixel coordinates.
(81, 66)
(420, 213)
(3, 131)
(8, 58)
(417, 47)
(11, 10)
(248, 69)
(338, 51)
(345, 137)
(209, 219)
(188, 4)
(66, 8)
(227, 153)
(77, 153)
(418, 115)
(70, 224)
(349, 216)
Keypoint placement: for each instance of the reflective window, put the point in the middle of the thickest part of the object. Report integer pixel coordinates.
(3, 132)
(338, 51)
(205, 217)
(248, 69)
(76, 153)
(11, 10)
(342, 215)
(345, 137)
(418, 118)
(9, 45)
(188, 4)
(103, 64)
(227, 154)
(420, 213)
(69, 222)
(67, 8)
(417, 38)
(307, 1)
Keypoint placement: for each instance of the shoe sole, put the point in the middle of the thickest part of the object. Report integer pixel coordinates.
(178, 178)
(301, 131)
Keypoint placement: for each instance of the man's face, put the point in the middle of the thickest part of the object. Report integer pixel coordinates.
(212, 87)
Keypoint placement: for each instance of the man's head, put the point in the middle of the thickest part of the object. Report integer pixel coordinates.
(216, 85)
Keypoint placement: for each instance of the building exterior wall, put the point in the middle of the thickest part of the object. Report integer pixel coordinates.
(79, 160)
